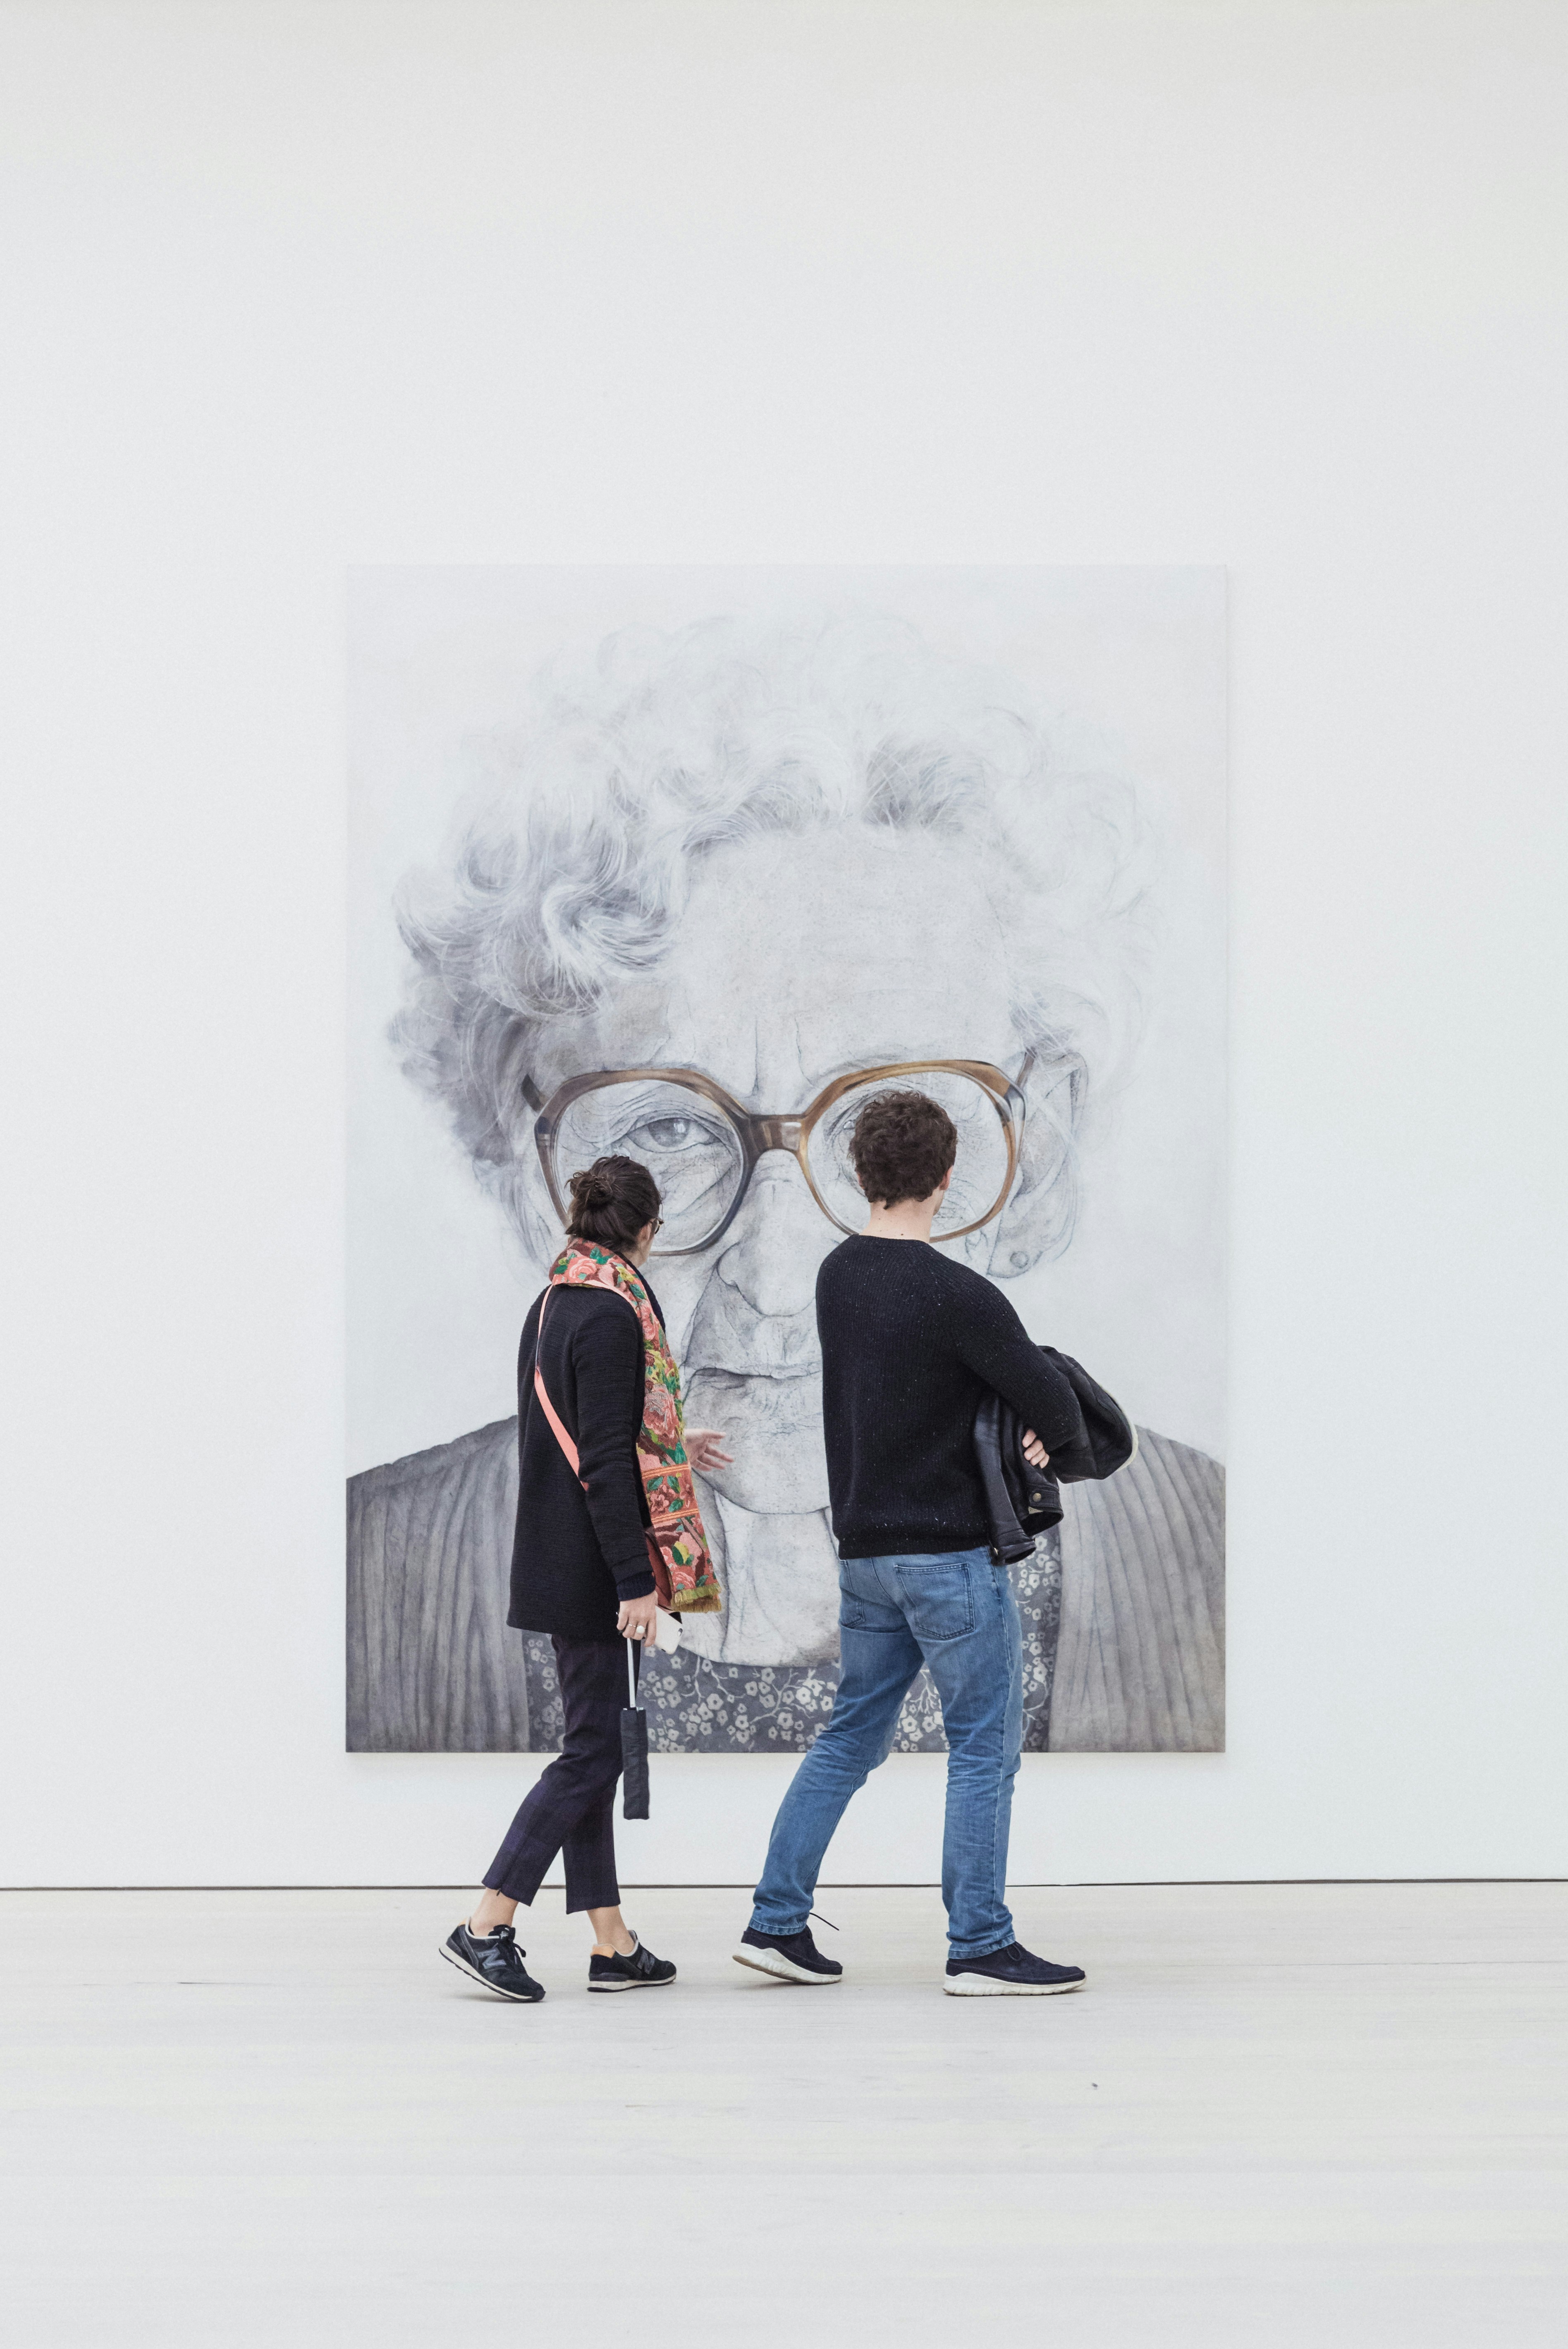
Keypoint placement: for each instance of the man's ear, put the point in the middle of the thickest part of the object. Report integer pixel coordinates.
(1037, 1220)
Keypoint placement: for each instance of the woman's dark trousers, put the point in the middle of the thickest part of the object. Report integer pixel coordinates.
(570, 1810)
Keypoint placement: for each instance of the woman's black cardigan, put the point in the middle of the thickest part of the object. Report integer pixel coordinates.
(576, 1553)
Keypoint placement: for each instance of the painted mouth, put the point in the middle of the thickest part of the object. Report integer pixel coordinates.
(755, 1405)
(808, 1367)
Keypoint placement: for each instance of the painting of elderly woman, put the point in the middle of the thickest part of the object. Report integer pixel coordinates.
(681, 865)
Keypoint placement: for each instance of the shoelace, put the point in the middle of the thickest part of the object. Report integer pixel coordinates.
(821, 1919)
(503, 1939)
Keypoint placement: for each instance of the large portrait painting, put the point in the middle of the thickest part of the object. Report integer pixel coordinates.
(683, 863)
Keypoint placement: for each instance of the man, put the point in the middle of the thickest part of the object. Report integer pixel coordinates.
(726, 880)
(911, 1344)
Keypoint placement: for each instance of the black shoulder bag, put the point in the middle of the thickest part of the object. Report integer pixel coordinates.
(1022, 1501)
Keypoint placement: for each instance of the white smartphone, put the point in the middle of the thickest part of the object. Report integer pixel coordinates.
(667, 1632)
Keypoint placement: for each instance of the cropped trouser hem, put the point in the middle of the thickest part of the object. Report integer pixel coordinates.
(572, 1807)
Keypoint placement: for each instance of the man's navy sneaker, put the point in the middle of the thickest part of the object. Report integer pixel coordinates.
(1012, 1972)
(493, 1960)
(639, 1971)
(788, 1957)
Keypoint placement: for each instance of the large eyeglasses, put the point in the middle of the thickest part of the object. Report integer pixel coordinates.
(701, 1146)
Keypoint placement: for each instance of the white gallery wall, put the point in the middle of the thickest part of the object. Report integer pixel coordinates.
(293, 288)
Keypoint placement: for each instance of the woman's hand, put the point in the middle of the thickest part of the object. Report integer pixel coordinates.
(1034, 1452)
(705, 1450)
(638, 1619)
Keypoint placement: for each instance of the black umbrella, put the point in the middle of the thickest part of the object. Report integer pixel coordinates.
(634, 1745)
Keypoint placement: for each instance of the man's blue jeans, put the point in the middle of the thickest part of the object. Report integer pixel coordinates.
(954, 1611)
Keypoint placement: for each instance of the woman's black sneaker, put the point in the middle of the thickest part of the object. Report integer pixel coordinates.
(788, 1957)
(640, 1970)
(494, 1960)
(1012, 1972)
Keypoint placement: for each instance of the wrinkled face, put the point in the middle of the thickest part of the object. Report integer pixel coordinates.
(799, 959)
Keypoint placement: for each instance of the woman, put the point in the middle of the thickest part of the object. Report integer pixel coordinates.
(607, 1528)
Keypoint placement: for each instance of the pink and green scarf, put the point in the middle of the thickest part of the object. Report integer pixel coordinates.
(683, 1571)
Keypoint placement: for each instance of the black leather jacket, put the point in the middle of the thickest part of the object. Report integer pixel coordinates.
(1022, 1500)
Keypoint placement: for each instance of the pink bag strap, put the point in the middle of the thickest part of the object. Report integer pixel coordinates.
(557, 1425)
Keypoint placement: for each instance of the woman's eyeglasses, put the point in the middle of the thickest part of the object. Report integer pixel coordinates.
(702, 1147)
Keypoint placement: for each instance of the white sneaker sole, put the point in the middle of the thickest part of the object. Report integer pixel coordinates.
(782, 1968)
(988, 1986)
(512, 1997)
(622, 1983)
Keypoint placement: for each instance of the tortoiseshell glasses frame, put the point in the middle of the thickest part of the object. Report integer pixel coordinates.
(791, 1132)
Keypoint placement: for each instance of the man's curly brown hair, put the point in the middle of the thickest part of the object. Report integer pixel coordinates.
(902, 1145)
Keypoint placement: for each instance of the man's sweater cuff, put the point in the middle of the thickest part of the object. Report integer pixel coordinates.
(634, 1579)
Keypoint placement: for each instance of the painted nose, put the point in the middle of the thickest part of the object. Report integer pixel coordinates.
(777, 1242)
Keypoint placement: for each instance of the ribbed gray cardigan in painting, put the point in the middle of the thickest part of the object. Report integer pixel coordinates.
(433, 1667)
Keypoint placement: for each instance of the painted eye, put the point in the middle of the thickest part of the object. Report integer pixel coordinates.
(667, 1132)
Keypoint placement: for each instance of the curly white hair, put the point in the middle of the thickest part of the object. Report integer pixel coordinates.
(661, 749)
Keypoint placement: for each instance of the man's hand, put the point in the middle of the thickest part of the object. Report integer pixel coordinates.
(638, 1619)
(1034, 1452)
(705, 1449)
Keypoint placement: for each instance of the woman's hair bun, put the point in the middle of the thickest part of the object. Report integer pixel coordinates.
(612, 1201)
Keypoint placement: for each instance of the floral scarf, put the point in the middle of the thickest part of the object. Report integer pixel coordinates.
(683, 1571)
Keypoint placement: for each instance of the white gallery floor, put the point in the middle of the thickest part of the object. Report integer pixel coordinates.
(1332, 2113)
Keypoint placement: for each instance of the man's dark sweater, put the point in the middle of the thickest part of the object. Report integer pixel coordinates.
(911, 1342)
